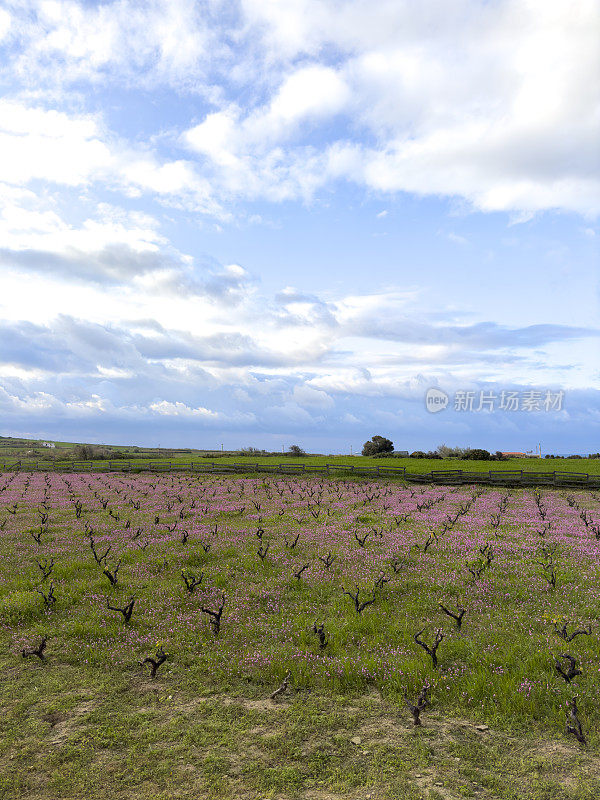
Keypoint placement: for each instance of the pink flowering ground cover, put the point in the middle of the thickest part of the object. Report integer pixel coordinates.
(368, 564)
(500, 661)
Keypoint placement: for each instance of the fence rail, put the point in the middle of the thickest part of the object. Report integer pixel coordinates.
(445, 476)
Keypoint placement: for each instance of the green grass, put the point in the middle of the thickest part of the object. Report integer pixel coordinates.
(89, 722)
(416, 465)
(75, 734)
(64, 454)
(412, 465)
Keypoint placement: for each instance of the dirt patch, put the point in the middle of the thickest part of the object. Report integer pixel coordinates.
(53, 718)
(254, 705)
(64, 725)
(430, 783)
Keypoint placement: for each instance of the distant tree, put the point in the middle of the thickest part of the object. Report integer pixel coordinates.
(477, 455)
(377, 444)
(89, 452)
(296, 451)
(84, 452)
(450, 452)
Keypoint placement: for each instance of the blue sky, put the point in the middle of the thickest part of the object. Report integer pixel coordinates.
(269, 222)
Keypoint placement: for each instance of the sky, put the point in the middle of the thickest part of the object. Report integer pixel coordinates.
(274, 222)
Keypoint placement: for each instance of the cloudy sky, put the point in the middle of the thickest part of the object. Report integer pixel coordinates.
(269, 222)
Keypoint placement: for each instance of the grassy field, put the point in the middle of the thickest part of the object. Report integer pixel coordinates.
(282, 557)
(591, 466)
(412, 465)
(24, 452)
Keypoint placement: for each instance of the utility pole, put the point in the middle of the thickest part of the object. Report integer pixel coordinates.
(350, 449)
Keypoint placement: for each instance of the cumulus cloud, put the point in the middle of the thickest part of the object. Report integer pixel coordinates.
(494, 103)
(305, 395)
(301, 308)
(78, 150)
(133, 133)
(157, 42)
(111, 247)
(282, 380)
(463, 100)
(113, 264)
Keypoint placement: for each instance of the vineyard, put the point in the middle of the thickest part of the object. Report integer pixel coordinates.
(283, 636)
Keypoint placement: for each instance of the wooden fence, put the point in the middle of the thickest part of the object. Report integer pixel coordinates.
(442, 476)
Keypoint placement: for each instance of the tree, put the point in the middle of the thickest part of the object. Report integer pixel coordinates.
(477, 454)
(84, 452)
(450, 452)
(296, 451)
(377, 444)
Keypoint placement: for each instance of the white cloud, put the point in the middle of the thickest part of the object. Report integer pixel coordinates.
(305, 395)
(492, 103)
(457, 238)
(126, 125)
(5, 23)
(31, 225)
(76, 150)
(291, 413)
(179, 409)
(311, 93)
(307, 95)
(160, 41)
(50, 146)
